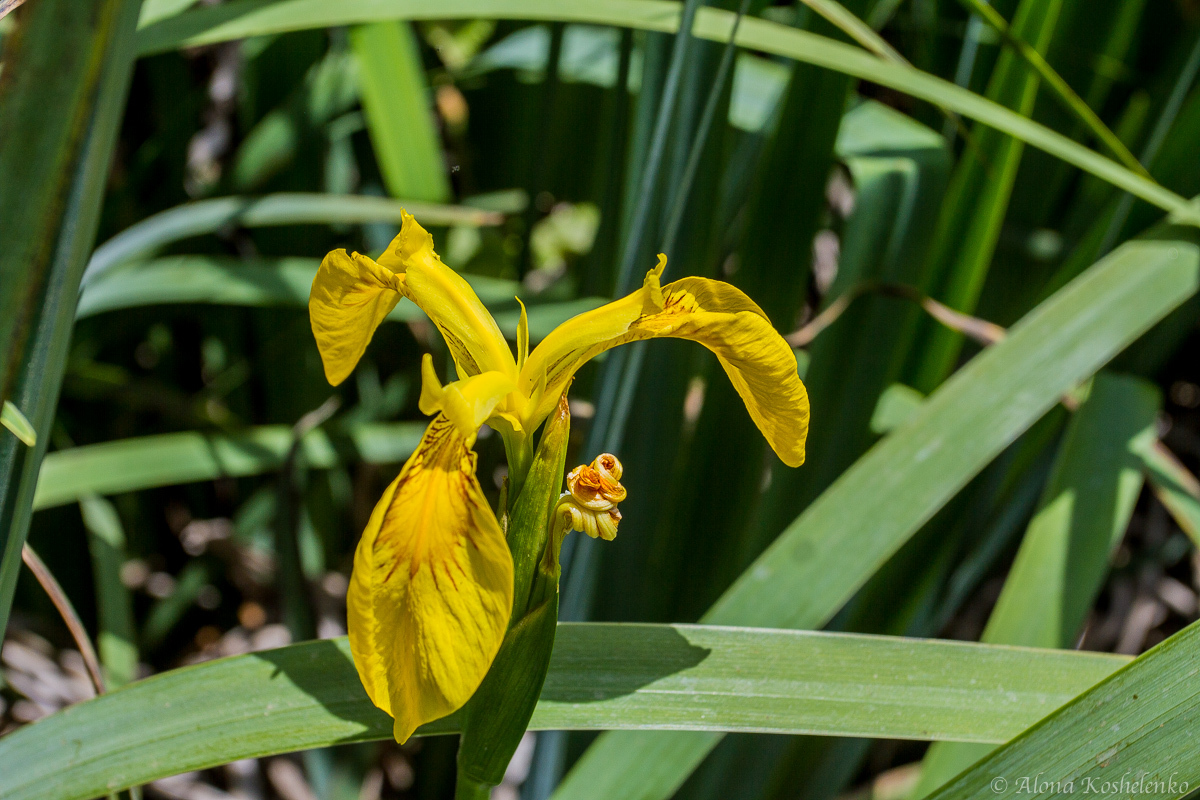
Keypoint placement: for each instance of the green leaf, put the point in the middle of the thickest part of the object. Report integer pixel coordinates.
(1174, 486)
(977, 201)
(129, 465)
(62, 98)
(1138, 726)
(1064, 557)
(244, 18)
(601, 676)
(896, 405)
(285, 208)
(12, 418)
(1066, 95)
(155, 10)
(116, 640)
(823, 557)
(395, 96)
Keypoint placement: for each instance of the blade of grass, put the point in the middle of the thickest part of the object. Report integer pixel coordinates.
(1064, 557)
(395, 96)
(1065, 94)
(243, 18)
(831, 549)
(1166, 118)
(116, 639)
(285, 208)
(1174, 486)
(977, 201)
(166, 612)
(145, 462)
(842, 18)
(601, 676)
(1148, 711)
(12, 418)
(75, 58)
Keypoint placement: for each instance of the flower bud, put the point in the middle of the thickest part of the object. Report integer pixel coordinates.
(590, 503)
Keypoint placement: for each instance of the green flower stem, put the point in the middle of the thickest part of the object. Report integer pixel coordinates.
(497, 716)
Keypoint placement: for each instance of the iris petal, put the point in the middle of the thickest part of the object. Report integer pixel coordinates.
(351, 295)
(468, 402)
(472, 334)
(759, 363)
(432, 588)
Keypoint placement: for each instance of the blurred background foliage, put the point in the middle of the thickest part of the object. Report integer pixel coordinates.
(204, 487)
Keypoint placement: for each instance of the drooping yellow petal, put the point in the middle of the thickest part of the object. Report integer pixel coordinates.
(473, 336)
(759, 363)
(468, 402)
(432, 588)
(350, 296)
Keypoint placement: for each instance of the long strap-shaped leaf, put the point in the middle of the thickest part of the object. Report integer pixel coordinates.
(144, 462)
(284, 208)
(61, 103)
(1134, 735)
(1065, 554)
(823, 557)
(601, 676)
(243, 18)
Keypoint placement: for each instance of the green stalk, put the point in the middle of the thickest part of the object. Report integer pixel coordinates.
(495, 719)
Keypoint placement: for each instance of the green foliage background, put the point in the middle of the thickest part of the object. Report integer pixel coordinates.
(168, 185)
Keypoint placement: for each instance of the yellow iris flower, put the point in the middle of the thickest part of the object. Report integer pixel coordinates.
(432, 589)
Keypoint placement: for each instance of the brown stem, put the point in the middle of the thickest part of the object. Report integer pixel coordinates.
(980, 330)
(67, 612)
(8, 6)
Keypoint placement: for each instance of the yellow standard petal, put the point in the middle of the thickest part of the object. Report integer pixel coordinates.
(431, 592)
(472, 334)
(350, 296)
(468, 403)
(759, 363)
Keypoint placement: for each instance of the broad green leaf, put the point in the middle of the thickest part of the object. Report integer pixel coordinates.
(244, 18)
(1131, 736)
(601, 676)
(129, 465)
(823, 557)
(395, 96)
(62, 99)
(1064, 556)
(286, 282)
(116, 641)
(285, 208)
